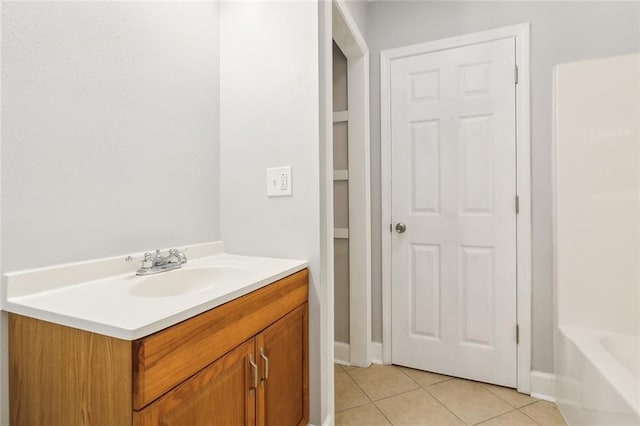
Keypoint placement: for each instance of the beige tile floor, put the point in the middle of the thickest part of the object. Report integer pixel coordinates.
(391, 395)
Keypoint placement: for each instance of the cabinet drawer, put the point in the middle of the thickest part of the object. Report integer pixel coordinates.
(168, 357)
(219, 394)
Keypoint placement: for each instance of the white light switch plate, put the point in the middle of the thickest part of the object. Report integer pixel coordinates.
(279, 181)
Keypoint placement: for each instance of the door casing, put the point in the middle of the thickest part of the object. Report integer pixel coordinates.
(523, 181)
(351, 42)
(326, 35)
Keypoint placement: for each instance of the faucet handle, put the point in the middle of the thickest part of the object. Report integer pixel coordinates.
(148, 260)
(182, 258)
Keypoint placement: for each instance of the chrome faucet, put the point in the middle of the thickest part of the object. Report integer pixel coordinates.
(154, 264)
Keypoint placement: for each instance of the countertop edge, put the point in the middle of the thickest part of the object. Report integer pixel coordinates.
(155, 326)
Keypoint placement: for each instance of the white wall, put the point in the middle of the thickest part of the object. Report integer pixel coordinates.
(359, 11)
(560, 32)
(270, 117)
(110, 131)
(597, 199)
(110, 128)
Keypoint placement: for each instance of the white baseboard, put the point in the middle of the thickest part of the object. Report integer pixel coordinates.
(328, 421)
(543, 386)
(376, 353)
(341, 353)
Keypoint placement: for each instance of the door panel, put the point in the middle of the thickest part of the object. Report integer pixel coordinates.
(282, 395)
(454, 186)
(425, 286)
(477, 296)
(425, 167)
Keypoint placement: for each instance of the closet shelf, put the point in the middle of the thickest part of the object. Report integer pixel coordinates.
(340, 175)
(340, 233)
(340, 116)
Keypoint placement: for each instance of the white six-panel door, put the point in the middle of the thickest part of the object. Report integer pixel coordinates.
(454, 187)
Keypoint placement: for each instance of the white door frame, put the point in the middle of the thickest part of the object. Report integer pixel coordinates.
(326, 16)
(523, 184)
(335, 22)
(325, 119)
(349, 39)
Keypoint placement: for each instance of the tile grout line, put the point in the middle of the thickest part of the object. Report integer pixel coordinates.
(396, 394)
(410, 378)
(358, 385)
(361, 390)
(490, 418)
(442, 403)
(355, 406)
(435, 383)
(526, 415)
(486, 386)
(529, 403)
(420, 387)
(411, 390)
(382, 412)
(371, 401)
(374, 402)
(384, 397)
(495, 417)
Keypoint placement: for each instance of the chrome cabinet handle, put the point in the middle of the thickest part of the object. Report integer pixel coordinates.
(255, 372)
(400, 228)
(266, 364)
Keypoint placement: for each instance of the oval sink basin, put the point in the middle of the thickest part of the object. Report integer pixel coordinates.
(186, 280)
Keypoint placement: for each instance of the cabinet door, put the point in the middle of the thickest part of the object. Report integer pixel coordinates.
(221, 394)
(282, 350)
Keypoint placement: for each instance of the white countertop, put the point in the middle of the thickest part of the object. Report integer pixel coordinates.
(89, 296)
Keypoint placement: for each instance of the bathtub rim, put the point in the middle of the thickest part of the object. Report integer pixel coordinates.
(588, 343)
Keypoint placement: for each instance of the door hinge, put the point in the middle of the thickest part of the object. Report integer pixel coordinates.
(391, 227)
(515, 74)
(517, 334)
(517, 204)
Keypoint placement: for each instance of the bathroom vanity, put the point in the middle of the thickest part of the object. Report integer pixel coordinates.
(244, 361)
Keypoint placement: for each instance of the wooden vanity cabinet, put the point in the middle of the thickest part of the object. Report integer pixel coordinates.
(261, 382)
(244, 362)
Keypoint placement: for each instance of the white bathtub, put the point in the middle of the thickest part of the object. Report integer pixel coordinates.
(597, 377)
